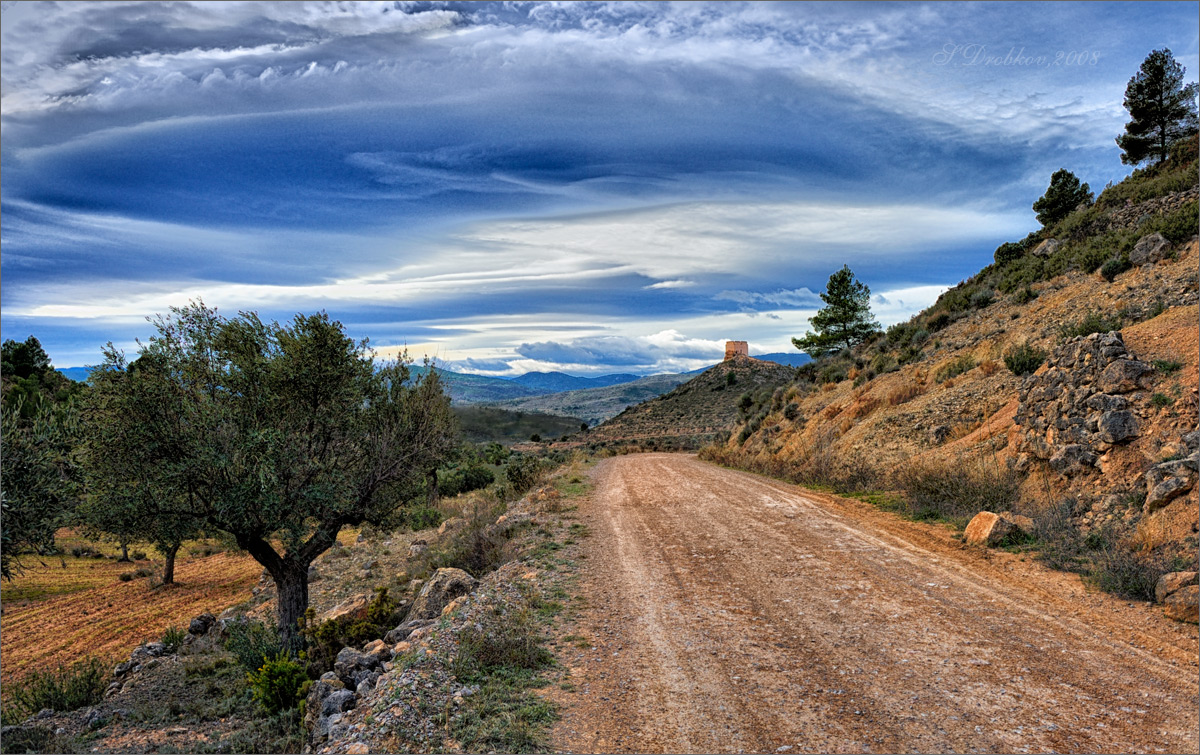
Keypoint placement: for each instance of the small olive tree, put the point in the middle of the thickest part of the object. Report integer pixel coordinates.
(279, 435)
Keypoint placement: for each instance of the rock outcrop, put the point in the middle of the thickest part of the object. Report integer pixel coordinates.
(1077, 408)
(444, 586)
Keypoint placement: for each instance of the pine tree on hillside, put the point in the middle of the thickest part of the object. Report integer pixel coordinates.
(1162, 109)
(1061, 199)
(846, 319)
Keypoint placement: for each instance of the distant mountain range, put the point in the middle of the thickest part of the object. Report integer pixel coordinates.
(479, 389)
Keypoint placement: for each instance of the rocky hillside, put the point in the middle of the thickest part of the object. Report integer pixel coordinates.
(1070, 366)
(595, 405)
(703, 408)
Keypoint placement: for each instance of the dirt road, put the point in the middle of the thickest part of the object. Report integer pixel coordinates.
(729, 613)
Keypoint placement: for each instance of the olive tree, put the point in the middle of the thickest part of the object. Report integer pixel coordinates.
(37, 486)
(279, 435)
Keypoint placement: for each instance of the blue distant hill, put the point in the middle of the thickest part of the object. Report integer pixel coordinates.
(78, 374)
(792, 359)
(557, 382)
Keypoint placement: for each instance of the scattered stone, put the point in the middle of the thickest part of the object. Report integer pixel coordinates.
(1169, 480)
(445, 585)
(1072, 459)
(987, 529)
(938, 435)
(1117, 427)
(44, 713)
(351, 609)
(338, 701)
(1022, 523)
(1123, 376)
(417, 547)
(358, 748)
(402, 632)
(200, 625)
(1046, 248)
(1149, 249)
(122, 669)
(1173, 582)
(1183, 605)
(370, 565)
(352, 666)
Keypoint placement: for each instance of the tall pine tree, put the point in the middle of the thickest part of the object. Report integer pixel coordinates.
(1162, 109)
(846, 319)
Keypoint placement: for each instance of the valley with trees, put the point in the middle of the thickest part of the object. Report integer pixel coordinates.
(973, 527)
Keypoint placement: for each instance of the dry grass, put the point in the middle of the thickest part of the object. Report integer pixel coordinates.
(864, 408)
(827, 387)
(904, 393)
(107, 618)
(832, 411)
(990, 367)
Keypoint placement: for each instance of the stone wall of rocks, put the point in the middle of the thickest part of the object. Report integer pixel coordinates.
(1079, 406)
(1087, 400)
(1133, 215)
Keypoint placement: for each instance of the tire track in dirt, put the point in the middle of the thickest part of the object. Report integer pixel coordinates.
(733, 613)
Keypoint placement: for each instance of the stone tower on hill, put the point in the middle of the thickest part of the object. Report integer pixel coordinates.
(736, 349)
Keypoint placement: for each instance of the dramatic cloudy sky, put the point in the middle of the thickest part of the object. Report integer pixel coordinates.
(508, 187)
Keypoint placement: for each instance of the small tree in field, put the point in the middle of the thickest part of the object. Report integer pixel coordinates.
(846, 319)
(279, 435)
(1064, 194)
(1162, 109)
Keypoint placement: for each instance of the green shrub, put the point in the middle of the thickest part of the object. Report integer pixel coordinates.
(173, 638)
(1114, 267)
(958, 366)
(1008, 252)
(325, 640)
(508, 640)
(126, 576)
(523, 472)
(791, 411)
(937, 322)
(1092, 322)
(1160, 400)
(279, 683)
(1024, 295)
(981, 298)
(1167, 366)
(422, 517)
(138, 555)
(1176, 227)
(252, 643)
(67, 688)
(465, 479)
(1023, 358)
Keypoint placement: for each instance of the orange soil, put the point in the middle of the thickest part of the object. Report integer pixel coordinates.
(111, 618)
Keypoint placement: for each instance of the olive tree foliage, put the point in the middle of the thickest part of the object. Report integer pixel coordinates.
(1162, 109)
(1062, 197)
(279, 435)
(37, 486)
(844, 321)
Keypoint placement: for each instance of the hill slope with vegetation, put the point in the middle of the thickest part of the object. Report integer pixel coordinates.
(696, 411)
(1059, 382)
(595, 405)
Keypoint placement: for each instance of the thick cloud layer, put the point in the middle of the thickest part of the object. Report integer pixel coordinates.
(536, 186)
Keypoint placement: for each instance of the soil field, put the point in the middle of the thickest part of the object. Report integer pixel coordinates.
(727, 612)
(105, 617)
